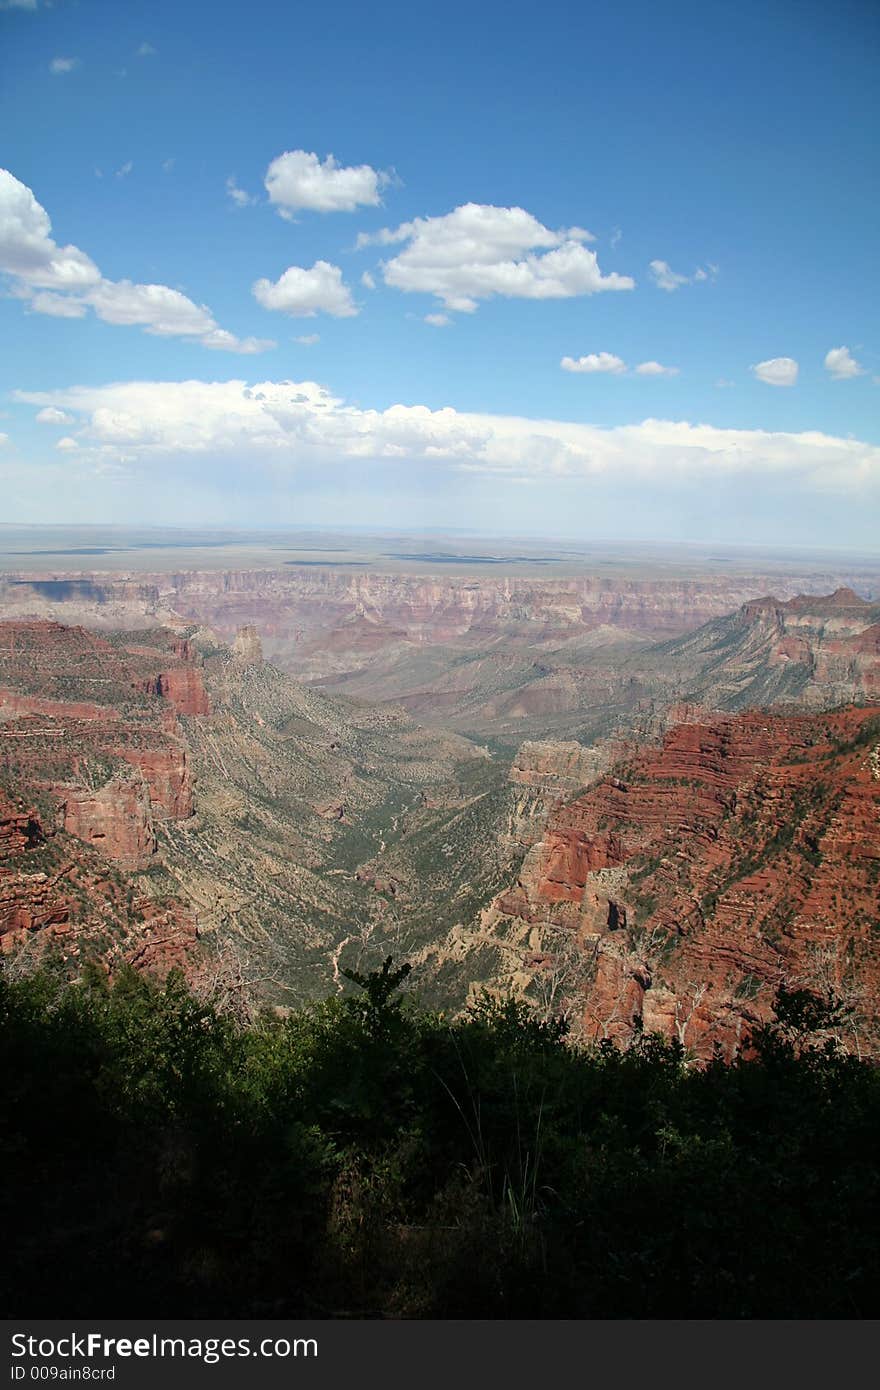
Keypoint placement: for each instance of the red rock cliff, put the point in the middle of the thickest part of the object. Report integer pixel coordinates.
(683, 887)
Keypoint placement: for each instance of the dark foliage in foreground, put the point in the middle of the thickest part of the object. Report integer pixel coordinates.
(365, 1158)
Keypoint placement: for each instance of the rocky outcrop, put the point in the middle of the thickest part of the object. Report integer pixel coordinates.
(182, 687)
(113, 765)
(166, 772)
(116, 819)
(247, 649)
(56, 892)
(164, 937)
(20, 827)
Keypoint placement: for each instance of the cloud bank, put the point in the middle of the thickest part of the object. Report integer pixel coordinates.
(287, 427)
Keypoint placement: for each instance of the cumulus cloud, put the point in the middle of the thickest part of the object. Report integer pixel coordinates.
(298, 181)
(4, 439)
(777, 371)
(367, 281)
(66, 444)
(665, 278)
(304, 293)
(157, 307)
(63, 282)
(655, 369)
(308, 339)
(57, 306)
(238, 195)
(608, 362)
(58, 66)
(842, 365)
(287, 426)
(438, 320)
(220, 340)
(28, 251)
(594, 362)
(478, 251)
(51, 415)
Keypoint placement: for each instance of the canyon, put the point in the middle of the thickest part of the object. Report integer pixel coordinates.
(586, 797)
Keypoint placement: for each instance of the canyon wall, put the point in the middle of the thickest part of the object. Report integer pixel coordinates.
(293, 605)
(696, 876)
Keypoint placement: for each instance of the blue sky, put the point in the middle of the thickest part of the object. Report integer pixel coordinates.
(546, 199)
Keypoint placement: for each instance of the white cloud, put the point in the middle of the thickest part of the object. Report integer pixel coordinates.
(28, 251)
(308, 339)
(51, 415)
(157, 307)
(655, 369)
(367, 281)
(288, 426)
(665, 278)
(62, 65)
(777, 371)
(594, 362)
(124, 171)
(842, 365)
(438, 320)
(298, 181)
(478, 251)
(66, 444)
(58, 306)
(616, 238)
(238, 195)
(303, 293)
(608, 362)
(146, 50)
(220, 340)
(4, 439)
(63, 282)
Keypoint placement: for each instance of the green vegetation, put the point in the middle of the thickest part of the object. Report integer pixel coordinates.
(365, 1157)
